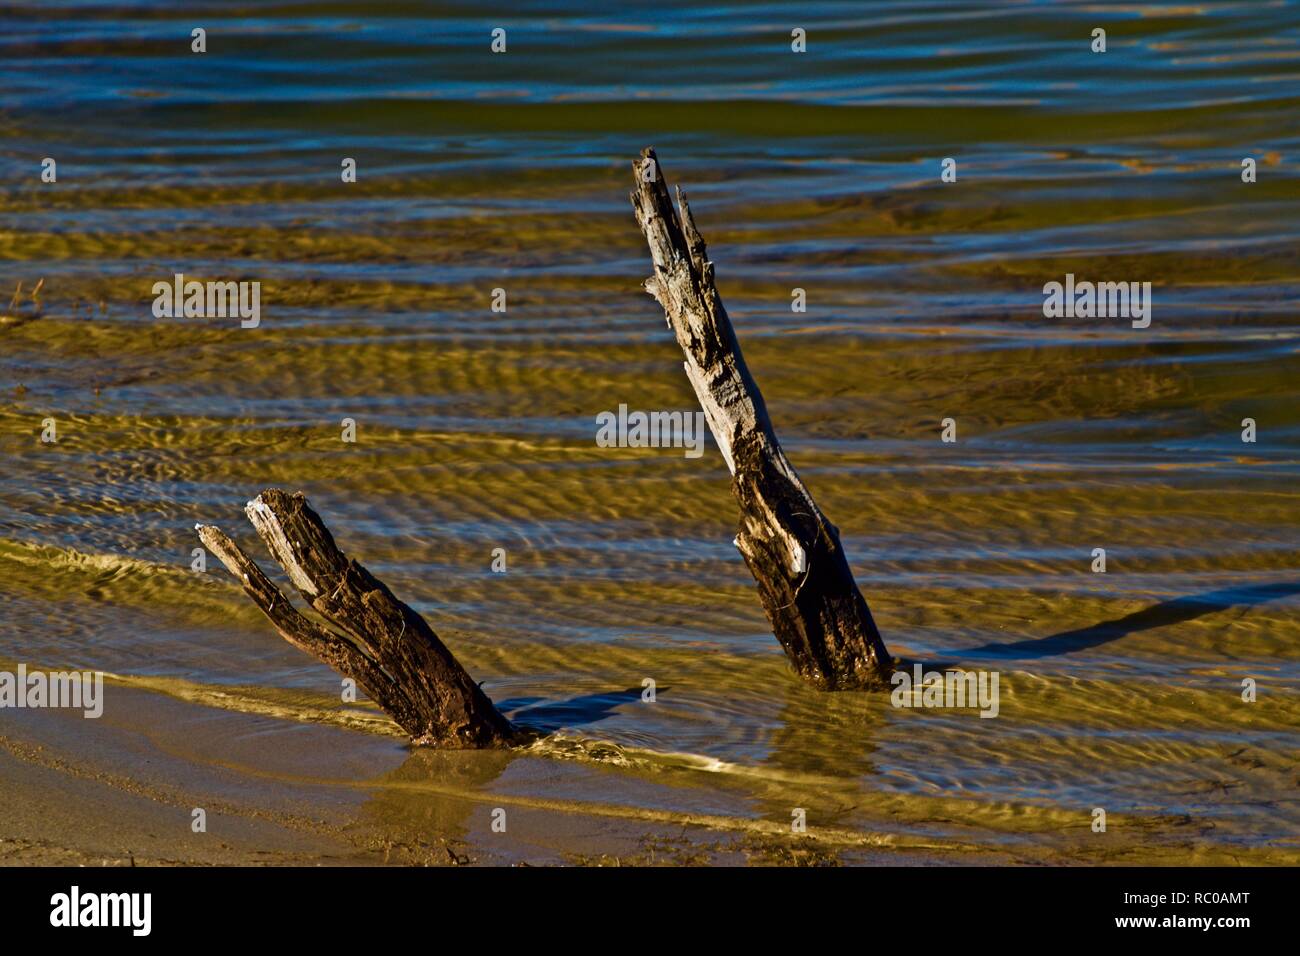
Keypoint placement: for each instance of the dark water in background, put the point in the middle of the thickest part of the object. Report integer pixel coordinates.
(476, 429)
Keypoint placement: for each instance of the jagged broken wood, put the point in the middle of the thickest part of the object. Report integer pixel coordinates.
(792, 550)
(804, 582)
(387, 648)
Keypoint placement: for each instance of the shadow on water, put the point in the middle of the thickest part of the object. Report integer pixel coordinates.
(575, 712)
(1158, 615)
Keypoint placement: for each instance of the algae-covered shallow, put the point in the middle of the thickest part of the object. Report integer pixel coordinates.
(476, 428)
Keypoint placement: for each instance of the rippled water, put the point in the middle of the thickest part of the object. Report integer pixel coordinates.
(476, 429)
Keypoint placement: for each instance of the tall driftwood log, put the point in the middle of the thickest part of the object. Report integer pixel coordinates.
(387, 648)
(804, 582)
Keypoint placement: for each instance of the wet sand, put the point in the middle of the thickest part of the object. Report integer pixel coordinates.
(121, 790)
(476, 430)
(296, 795)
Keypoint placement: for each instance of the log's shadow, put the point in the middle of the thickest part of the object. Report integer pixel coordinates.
(1174, 611)
(539, 714)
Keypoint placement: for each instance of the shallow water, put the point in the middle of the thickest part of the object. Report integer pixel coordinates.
(476, 429)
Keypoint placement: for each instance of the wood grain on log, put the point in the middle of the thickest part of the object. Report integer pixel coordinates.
(794, 553)
(387, 648)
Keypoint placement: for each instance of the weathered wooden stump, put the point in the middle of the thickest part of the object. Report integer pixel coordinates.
(387, 648)
(793, 551)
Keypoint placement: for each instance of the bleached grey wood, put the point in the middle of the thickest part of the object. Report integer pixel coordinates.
(794, 553)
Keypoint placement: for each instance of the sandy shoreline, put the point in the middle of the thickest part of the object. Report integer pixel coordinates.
(121, 790)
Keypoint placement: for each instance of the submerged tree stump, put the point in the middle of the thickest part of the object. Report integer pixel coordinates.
(386, 647)
(792, 550)
(794, 553)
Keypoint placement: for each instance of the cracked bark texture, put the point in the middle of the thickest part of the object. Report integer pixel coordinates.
(804, 581)
(386, 647)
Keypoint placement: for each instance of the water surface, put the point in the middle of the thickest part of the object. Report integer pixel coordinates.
(476, 428)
